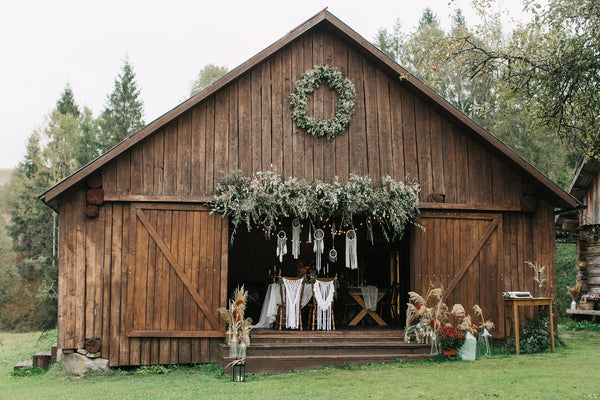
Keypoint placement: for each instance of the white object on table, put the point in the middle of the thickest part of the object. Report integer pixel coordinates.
(268, 312)
(369, 294)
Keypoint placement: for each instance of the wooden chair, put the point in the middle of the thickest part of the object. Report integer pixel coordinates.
(281, 313)
(389, 305)
(313, 313)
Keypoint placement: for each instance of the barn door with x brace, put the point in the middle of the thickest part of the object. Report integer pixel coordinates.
(462, 252)
(178, 271)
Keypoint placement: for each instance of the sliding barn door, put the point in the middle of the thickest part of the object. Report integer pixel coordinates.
(462, 252)
(178, 271)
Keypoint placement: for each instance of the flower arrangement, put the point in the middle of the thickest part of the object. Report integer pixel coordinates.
(306, 85)
(592, 297)
(238, 327)
(266, 196)
(451, 338)
(425, 315)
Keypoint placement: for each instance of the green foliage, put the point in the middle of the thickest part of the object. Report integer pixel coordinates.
(66, 103)
(553, 376)
(534, 337)
(566, 274)
(207, 75)
(156, 369)
(89, 139)
(27, 372)
(262, 199)
(584, 325)
(123, 111)
(447, 62)
(306, 85)
(551, 64)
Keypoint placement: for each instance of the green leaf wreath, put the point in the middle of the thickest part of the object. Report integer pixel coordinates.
(262, 199)
(306, 85)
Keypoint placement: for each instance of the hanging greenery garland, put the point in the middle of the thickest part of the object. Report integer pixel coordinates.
(306, 85)
(259, 201)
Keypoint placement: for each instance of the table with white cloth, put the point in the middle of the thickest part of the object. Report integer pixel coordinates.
(268, 312)
(358, 294)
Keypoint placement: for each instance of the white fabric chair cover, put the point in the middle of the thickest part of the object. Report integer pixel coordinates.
(369, 294)
(323, 292)
(292, 302)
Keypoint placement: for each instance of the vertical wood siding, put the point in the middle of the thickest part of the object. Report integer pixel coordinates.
(247, 126)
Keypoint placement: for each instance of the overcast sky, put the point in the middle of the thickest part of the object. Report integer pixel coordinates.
(46, 43)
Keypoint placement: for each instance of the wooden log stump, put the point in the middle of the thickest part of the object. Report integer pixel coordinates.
(95, 196)
(91, 211)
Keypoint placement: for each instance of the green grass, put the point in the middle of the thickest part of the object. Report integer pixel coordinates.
(570, 373)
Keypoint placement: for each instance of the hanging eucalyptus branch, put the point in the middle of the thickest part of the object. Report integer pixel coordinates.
(260, 200)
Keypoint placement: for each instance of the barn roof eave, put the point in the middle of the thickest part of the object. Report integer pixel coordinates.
(546, 187)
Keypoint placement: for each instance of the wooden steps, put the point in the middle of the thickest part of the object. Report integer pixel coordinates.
(280, 351)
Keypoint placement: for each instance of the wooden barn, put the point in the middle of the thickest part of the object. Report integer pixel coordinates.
(144, 265)
(583, 225)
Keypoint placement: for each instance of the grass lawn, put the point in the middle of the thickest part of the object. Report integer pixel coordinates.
(570, 373)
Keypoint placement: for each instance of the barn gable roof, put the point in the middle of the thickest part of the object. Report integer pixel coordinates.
(545, 187)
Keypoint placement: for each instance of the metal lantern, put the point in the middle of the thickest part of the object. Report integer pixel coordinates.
(238, 372)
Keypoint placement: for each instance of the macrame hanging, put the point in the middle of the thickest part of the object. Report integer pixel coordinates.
(309, 232)
(281, 245)
(318, 247)
(296, 229)
(351, 257)
(333, 251)
(323, 292)
(293, 288)
(370, 230)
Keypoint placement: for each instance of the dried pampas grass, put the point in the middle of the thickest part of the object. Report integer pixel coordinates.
(575, 291)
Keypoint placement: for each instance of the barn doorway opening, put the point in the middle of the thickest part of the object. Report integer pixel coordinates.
(253, 262)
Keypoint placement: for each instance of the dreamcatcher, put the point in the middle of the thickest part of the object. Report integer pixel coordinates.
(351, 256)
(333, 252)
(318, 247)
(296, 229)
(281, 245)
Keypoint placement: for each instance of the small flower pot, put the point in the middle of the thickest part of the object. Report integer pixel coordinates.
(450, 353)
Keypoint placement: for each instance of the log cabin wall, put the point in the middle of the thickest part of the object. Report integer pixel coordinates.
(247, 125)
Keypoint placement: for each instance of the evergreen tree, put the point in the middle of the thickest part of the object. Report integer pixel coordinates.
(66, 103)
(123, 112)
(207, 75)
(89, 142)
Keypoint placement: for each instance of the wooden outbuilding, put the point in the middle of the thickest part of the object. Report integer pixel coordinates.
(144, 265)
(583, 225)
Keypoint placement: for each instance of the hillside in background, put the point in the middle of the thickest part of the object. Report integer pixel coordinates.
(5, 175)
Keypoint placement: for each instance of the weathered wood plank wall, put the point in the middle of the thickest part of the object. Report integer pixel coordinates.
(247, 126)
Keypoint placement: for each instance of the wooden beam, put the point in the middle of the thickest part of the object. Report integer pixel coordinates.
(469, 207)
(175, 334)
(157, 199)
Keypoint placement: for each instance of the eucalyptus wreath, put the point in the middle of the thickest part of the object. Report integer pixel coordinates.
(306, 85)
(260, 200)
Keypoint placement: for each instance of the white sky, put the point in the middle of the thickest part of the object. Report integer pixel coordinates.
(46, 43)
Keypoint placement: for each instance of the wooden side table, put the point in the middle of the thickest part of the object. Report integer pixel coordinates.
(511, 306)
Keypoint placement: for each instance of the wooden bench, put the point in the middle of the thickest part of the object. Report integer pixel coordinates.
(579, 315)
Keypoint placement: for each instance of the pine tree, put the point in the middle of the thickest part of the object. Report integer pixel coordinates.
(123, 112)
(89, 142)
(66, 103)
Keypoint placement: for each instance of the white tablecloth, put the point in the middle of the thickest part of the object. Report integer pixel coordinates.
(268, 312)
